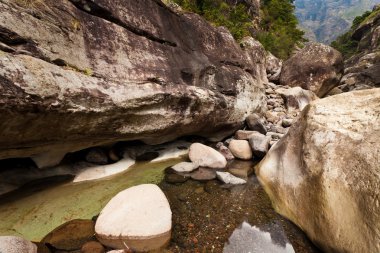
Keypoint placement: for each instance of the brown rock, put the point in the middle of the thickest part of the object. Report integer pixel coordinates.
(316, 67)
(64, 238)
(92, 247)
(243, 134)
(255, 123)
(115, 76)
(203, 174)
(241, 149)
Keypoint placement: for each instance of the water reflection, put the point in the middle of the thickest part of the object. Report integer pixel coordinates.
(250, 239)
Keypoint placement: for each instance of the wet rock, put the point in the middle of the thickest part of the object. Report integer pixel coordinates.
(174, 178)
(42, 248)
(148, 156)
(139, 217)
(296, 98)
(113, 155)
(184, 167)
(324, 174)
(97, 156)
(316, 67)
(92, 247)
(252, 238)
(14, 244)
(255, 123)
(64, 238)
(228, 178)
(119, 251)
(243, 134)
(259, 144)
(203, 174)
(241, 149)
(287, 122)
(242, 169)
(205, 156)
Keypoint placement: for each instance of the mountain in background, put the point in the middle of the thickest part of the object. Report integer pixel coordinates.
(325, 20)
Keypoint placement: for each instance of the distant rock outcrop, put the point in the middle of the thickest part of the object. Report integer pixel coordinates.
(362, 70)
(75, 74)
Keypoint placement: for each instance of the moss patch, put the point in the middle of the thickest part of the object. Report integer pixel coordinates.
(36, 215)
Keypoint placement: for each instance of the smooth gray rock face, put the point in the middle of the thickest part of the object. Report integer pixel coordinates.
(88, 73)
(324, 175)
(14, 244)
(259, 144)
(316, 67)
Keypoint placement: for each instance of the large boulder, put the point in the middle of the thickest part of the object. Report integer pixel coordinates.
(204, 156)
(14, 244)
(77, 74)
(324, 175)
(316, 67)
(138, 217)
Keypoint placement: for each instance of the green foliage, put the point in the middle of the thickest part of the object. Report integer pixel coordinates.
(345, 43)
(278, 30)
(279, 33)
(234, 17)
(358, 20)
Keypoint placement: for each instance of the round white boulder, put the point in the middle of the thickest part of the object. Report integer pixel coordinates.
(138, 218)
(15, 244)
(241, 149)
(205, 156)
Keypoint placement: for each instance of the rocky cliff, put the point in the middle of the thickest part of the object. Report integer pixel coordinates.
(362, 69)
(81, 73)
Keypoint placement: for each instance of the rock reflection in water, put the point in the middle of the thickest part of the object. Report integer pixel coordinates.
(250, 239)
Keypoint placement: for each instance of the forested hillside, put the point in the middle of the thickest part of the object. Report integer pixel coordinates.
(272, 22)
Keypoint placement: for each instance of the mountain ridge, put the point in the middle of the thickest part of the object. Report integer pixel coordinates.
(320, 17)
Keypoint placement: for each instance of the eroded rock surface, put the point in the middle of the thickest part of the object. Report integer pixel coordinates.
(324, 175)
(316, 67)
(76, 74)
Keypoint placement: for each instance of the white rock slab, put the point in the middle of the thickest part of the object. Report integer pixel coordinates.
(185, 167)
(228, 178)
(15, 244)
(138, 217)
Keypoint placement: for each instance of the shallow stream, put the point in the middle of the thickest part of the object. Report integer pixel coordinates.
(207, 216)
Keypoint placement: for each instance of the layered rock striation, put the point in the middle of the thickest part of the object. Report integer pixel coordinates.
(75, 74)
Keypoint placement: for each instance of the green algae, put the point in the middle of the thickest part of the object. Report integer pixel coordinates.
(34, 216)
